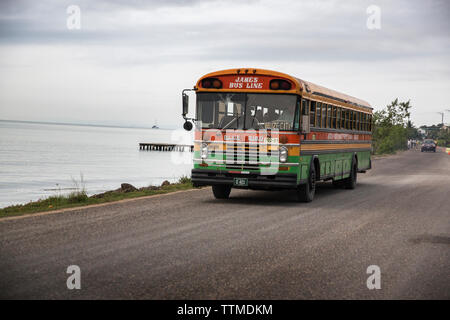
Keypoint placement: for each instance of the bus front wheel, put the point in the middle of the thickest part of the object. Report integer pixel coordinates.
(221, 191)
(306, 192)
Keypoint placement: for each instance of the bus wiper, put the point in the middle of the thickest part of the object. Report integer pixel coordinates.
(233, 120)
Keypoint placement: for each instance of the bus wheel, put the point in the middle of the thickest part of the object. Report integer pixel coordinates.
(350, 182)
(306, 192)
(221, 191)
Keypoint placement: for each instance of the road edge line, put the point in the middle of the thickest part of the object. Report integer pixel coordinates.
(44, 213)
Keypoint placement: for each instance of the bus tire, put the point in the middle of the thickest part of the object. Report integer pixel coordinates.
(306, 192)
(221, 191)
(350, 182)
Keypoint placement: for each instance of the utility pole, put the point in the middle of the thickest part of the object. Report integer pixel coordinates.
(442, 115)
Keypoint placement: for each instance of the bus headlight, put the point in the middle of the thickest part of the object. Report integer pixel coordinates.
(283, 154)
(204, 151)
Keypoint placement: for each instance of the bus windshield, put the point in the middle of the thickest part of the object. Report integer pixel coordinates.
(246, 111)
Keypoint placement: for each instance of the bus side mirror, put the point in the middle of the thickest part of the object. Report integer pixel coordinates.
(305, 124)
(187, 126)
(185, 104)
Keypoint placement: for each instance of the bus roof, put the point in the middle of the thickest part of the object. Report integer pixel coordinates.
(309, 87)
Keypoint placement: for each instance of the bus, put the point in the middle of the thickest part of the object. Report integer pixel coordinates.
(267, 130)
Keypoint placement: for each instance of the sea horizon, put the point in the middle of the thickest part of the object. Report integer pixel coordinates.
(38, 160)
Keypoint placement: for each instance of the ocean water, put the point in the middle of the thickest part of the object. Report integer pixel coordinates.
(40, 160)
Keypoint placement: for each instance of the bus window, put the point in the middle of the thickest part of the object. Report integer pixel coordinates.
(357, 120)
(329, 115)
(352, 120)
(305, 107)
(312, 114)
(344, 119)
(334, 118)
(349, 120)
(319, 114)
(338, 118)
(362, 121)
(297, 116)
(324, 115)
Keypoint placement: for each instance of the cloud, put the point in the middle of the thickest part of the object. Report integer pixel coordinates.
(154, 42)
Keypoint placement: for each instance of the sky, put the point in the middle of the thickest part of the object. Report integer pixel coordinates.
(130, 59)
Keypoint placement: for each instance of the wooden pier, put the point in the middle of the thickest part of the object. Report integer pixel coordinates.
(166, 147)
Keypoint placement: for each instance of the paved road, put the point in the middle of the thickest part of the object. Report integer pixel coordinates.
(256, 245)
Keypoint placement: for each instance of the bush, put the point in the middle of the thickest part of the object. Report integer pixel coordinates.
(77, 196)
(185, 180)
(392, 128)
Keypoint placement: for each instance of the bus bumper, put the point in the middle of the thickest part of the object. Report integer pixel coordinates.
(255, 181)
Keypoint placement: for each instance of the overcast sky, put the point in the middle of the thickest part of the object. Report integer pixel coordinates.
(130, 60)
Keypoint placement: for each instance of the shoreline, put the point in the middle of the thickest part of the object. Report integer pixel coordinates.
(51, 205)
(79, 199)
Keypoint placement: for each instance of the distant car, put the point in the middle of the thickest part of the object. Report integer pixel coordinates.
(428, 145)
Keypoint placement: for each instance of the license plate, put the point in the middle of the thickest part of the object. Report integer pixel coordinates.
(240, 182)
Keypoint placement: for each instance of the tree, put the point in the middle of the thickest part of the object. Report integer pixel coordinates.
(392, 127)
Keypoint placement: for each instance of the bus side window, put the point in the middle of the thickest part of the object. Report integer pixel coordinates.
(349, 120)
(319, 114)
(352, 120)
(344, 119)
(312, 114)
(334, 118)
(338, 118)
(361, 125)
(357, 120)
(324, 115)
(330, 114)
(362, 121)
(305, 107)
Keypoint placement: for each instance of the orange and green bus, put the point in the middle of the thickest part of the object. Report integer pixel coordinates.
(261, 129)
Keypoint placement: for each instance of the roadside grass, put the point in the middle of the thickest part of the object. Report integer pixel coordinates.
(80, 198)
